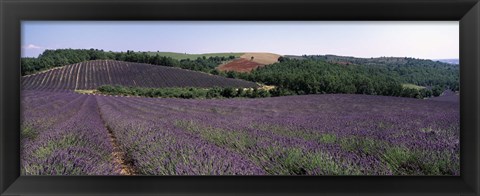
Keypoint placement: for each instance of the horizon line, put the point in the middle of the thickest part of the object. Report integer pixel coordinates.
(325, 54)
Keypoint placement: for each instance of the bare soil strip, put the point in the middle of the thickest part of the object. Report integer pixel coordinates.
(78, 76)
(119, 158)
(108, 73)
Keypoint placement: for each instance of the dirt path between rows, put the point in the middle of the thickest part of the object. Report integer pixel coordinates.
(120, 160)
(123, 163)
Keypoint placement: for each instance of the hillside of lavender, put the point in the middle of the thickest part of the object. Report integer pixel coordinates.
(95, 73)
(66, 133)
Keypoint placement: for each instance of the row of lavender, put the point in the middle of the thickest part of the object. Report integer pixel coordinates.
(92, 74)
(63, 134)
(297, 135)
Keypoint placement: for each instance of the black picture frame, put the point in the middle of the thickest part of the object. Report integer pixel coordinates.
(12, 12)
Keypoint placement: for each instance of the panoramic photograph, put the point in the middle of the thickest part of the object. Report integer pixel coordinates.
(315, 98)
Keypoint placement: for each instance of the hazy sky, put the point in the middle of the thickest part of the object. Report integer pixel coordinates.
(426, 40)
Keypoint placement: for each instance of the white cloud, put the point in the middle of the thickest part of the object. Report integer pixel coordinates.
(32, 46)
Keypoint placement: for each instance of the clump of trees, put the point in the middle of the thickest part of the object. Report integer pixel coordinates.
(185, 92)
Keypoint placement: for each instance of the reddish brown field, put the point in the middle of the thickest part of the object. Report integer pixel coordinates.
(239, 65)
(249, 61)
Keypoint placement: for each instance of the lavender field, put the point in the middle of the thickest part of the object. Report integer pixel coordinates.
(64, 133)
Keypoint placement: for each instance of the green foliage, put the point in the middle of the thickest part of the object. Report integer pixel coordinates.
(233, 139)
(28, 132)
(280, 91)
(328, 138)
(401, 160)
(425, 92)
(232, 74)
(65, 142)
(360, 144)
(406, 70)
(398, 157)
(183, 92)
(294, 161)
(437, 91)
(313, 76)
(229, 92)
(412, 86)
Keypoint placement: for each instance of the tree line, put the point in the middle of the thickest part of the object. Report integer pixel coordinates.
(185, 92)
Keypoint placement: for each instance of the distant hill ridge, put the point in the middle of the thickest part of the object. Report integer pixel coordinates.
(95, 73)
(449, 61)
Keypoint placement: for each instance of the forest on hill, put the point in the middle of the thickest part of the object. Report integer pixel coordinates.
(407, 70)
(292, 76)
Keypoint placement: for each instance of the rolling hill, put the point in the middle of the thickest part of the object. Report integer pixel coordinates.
(92, 74)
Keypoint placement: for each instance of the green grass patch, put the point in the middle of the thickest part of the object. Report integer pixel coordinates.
(233, 139)
(328, 138)
(66, 141)
(294, 161)
(52, 169)
(28, 132)
(404, 161)
(385, 125)
(401, 160)
(412, 86)
(361, 144)
(304, 134)
(274, 159)
(288, 132)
